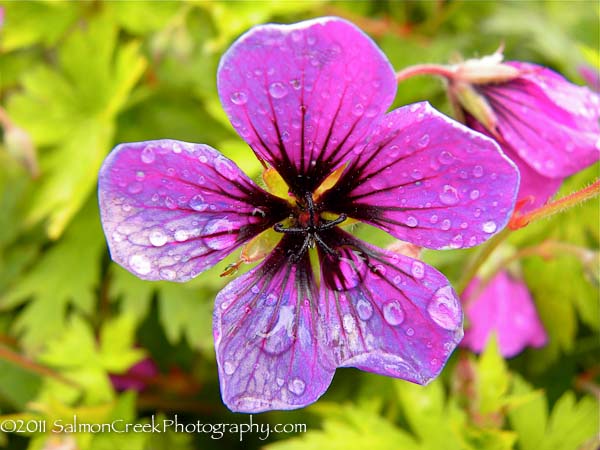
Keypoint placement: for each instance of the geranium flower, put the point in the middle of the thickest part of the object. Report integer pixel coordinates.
(503, 306)
(548, 126)
(310, 100)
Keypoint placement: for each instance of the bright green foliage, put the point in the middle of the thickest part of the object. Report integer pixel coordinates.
(77, 78)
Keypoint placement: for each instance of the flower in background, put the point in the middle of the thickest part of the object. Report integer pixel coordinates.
(548, 126)
(310, 100)
(591, 76)
(503, 306)
(137, 377)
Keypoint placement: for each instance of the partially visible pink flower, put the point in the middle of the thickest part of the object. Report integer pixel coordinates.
(591, 76)
(548, 126)
(505, 307)
(136, 378)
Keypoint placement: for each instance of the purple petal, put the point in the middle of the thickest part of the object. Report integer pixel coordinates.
(504, 306)
(428, 180)
(403, 319)
(268, 336)
(534, 188)
(172, 209)
(304, 95)
(552, 124)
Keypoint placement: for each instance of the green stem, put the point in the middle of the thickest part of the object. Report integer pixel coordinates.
(482, 255)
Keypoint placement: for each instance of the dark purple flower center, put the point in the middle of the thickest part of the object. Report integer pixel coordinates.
(307, 222)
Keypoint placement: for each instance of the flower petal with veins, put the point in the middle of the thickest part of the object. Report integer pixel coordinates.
(402, 320)
(171, 210)
(304, 95)
(428, 180)
(269, 336)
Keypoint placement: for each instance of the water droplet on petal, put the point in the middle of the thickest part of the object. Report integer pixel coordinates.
(364, 309)
(228, 368)
(147, 156)
(239, 98)
(349, 323)
(157, 238)
(296, 386)
(474, 195)
(271, 300)
(410, 332)
(417, 269)
(412, 221)
(445, 157)
(423, 141)
(135, 188)
(277, 90)
(446, 224)
(444, 309)
(358, 110)
(170, 203)
(393, 313)
(449, 195)
(477, 171)
(489, 227)
(181, 235)
(197, 203)
(140, 264)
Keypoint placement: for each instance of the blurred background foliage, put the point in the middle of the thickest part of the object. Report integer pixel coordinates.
(76, 78)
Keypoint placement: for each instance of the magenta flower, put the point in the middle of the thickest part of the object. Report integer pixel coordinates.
(505, 307)
(310, 100)
(546, 125)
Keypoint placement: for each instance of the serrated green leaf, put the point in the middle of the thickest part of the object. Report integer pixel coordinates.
(52, 285)
(34, 22)
(346, 427)
(428, 416)
(117, 339)
(80, 99)
(17, 386)
(134, 294)
(492, 378)
(186, 312)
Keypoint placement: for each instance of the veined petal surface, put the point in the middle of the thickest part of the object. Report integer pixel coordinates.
(270, 337)
(305, 95)
(429, 180)
(171, 209)
(387, 313)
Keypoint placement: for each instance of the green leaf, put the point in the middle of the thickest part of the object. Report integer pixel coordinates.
(52, 285)
(76, 354)
(571, 423)
(80, 99)
(134, 294)
(492, 379)
(436, 424)
(186, 312)
(17, 386)
(346, 427)
(34, 22)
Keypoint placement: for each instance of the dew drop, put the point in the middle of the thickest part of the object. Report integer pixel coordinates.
(393, 313)
(157, 238)
(364, 309)
(239, 98)
(349, 323)
(477, 171)
(197, 203)
(296, 386)
(446, 224)
(434, 218)
(449, 195)
(147, 156)
(489, 227)
(170, 203)
(410, 332)
(474, 195)
(271, 300)
(412, 221)
(140, 264)
(417, 269)
(445, 157)
(358, 110)
(423, 141)
(444, 309)
(416, 174)
(181, 235)
(135, 188)
(228, 368)
(277, 90)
